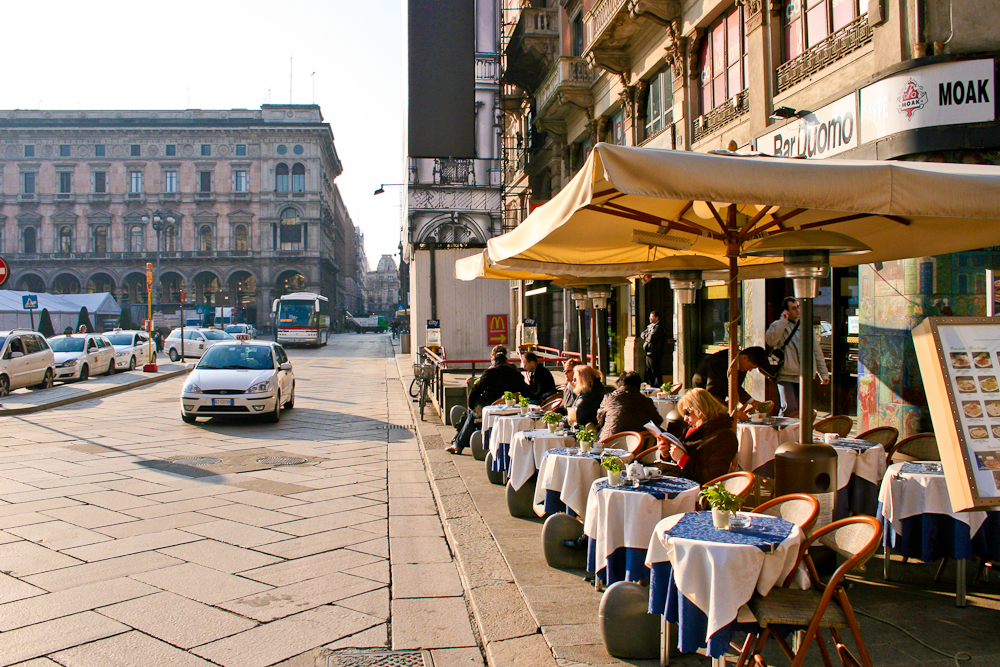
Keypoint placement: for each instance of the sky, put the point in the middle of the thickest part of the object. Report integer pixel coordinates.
(223, 54)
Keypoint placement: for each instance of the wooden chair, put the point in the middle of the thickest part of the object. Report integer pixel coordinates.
(798, 508)
(627, 440)
(855, 538)
(883, 435)
(839, 424)
(739, 483)
(919, 447)
(552, 403)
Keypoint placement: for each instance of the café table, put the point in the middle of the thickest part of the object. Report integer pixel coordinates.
(700, 576)
(664, 404)
(759, 441)
(565, 476)
(620, 519)
(860, 468)
(919, 522)
(527, 449)
(502, 431)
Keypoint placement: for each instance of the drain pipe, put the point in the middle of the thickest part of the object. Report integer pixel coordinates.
(432, 245)
(919, 44)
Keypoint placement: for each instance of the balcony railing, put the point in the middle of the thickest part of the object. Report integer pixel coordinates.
(516, 163)
(599, 19)
(848, 39)
(487, 68)
(721, 115)
(454, 172)
(568, 72)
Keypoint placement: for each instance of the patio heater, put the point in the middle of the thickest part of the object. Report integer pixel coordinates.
(583, 304)
(807, 466)
(685, 285)
(599, 296)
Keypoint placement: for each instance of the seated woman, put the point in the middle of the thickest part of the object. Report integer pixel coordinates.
(500, 377)
(626, 409)
(709, 445)
(568, 397)
(589, 390)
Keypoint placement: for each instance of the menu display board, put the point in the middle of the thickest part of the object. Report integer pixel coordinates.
(959, 361)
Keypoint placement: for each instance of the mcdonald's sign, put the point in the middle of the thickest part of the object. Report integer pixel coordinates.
(496, 329)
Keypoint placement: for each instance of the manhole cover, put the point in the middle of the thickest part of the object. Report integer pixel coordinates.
(381, 659)
(197, 461)
(280, 461)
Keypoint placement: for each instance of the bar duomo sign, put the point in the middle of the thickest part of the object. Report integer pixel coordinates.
(945, 94)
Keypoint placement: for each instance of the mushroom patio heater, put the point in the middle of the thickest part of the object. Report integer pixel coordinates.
(685, 285)
(807, 466)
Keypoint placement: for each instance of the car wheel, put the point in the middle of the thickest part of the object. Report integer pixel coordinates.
(275, 415)
(4, 385)
(291, 399)
(85, 373)
(46, 381)
(111, 367)
(131, 363)
(173, 355)
(188, 419)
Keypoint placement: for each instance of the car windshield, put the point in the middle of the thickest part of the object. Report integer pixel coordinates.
(216, 335)
(235, 328)
(66, 344)
(295, 313)
(252, 357)
(120, 339)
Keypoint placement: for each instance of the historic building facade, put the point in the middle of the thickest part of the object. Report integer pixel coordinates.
(382, 288)
(856, 79)
(245, 200)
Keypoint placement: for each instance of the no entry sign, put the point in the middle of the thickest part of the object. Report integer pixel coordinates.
(4, 272)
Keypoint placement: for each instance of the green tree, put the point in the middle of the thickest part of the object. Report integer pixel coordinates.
(84, 320)
(45, 324)
(125, 320)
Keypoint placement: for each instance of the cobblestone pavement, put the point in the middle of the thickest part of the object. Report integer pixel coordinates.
(114, 553)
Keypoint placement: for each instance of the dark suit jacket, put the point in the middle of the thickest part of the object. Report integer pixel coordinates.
(712, 375)
(494, 381)
(542, 384)
(626, 409)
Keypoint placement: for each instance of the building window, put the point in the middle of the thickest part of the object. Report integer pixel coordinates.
(205, 238)
(298, 177)
(281, 178)
(100, 182)
(659, 103)
(135, 182)
(241, 149)
(65, 182)
(134, 150)
(170, 239)
(29, 151)
(170, 181)
(100, 239)
(240, 239)
(204, 181)
(100, 150)
(65, 239)
(64, 150)
(808, 22)
(290, 236)
(206, 150)
(29, 237)
(135, 238)
(29, 179)
(576, 35)
(241, 181)
(171, 149)
(723, 60)
(616, 128)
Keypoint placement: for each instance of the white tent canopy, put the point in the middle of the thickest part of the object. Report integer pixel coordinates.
(64, 309)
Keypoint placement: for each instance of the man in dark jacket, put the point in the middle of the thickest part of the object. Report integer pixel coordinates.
(491, 385)
(654, 339)
(541, 384)
(712, 373)
(626, 409)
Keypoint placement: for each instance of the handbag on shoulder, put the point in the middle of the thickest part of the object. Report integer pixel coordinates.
(776, 359)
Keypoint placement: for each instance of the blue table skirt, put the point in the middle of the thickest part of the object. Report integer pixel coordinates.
(623, 564)
(928, 537)
(859, 497)
(555, 505)
(501, 462)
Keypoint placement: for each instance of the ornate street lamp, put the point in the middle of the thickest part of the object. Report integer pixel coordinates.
(159, 219)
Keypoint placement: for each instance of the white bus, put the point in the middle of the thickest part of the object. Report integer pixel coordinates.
(302, 318)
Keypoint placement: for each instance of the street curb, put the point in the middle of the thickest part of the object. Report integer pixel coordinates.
(509, 631)
(107, 391)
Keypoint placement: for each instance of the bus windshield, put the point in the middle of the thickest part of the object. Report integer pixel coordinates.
(296, 314)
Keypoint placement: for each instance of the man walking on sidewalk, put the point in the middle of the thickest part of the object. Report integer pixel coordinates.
(786, 333)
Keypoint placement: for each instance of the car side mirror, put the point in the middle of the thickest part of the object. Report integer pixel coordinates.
(15, 355)
(287, 366)
(190, 365)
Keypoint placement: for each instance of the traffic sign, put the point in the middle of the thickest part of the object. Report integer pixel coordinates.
(29, 302)
(200, 310)
(4, 272)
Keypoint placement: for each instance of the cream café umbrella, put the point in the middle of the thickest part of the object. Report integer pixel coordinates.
(632, 207)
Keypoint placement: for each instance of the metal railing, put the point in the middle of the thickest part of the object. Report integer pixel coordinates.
(721, 115)
(850, 38)
(568, 70)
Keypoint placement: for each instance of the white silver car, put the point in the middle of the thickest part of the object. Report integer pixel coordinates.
(25, 361)
(78, 356)
(239, 378)
(196, 341)
(132, 348)
(241, 331)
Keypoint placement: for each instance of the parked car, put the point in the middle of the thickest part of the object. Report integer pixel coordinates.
(241, 331)
(132, 348)
(196, 341)
(239, 378)
(26, 360)
(79, 355)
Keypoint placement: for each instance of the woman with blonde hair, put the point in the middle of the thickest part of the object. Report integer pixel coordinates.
(709, 445)
(589, 389)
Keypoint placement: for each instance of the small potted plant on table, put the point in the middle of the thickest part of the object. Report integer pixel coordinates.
(613, 465)
(523, 403)
(723, 503)
(585, 436)
(509, 398)
(552, 420)
(759, 411)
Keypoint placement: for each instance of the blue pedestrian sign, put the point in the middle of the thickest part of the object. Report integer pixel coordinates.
(29, 302)
(200, 310)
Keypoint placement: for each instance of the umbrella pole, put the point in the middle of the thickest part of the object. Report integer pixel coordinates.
(734, 313)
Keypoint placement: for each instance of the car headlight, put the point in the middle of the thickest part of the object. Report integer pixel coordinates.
(192, 388)
(121, 354)
(69, 364)
(260, 387)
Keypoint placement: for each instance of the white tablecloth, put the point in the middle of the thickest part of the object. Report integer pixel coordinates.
(665, 404)
(492, 412)
(504, 428)
(622, 517)
(869, 464)
(903, 495)
(720, 578)
(571, 474)
(526, 451)
(758, 442)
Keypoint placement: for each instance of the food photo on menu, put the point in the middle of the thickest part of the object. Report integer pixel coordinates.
(966, 384)
(960, 360)
(988, 460)
(993, 408)
(983, 360)
(972, 409)
(978, 432)
(996, 430)
(989, 384)
(996, 478)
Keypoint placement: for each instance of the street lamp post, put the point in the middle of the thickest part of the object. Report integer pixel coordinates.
(158, 218)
